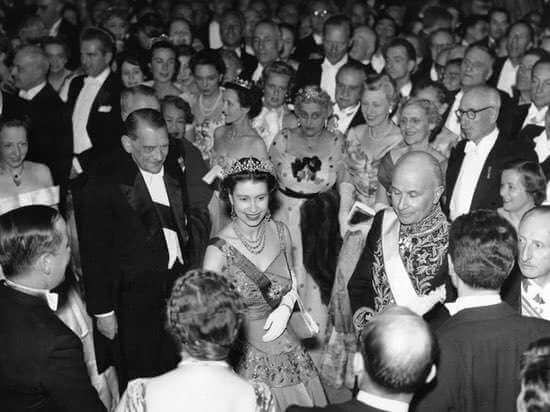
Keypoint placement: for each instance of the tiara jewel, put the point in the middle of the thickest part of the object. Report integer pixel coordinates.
(248, 165)
(243, 83)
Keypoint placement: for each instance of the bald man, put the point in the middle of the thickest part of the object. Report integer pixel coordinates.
(390, 372)
(266, 42)
(481, 344)
(404, 258)
(50, 140)
(363, 46)
(476, 163)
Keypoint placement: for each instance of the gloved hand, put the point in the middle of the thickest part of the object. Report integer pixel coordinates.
(423, 304)
(276, 322)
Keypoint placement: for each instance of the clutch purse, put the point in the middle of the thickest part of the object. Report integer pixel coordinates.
(301, 321)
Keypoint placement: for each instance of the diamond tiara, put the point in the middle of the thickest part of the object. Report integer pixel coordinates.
(248, 165)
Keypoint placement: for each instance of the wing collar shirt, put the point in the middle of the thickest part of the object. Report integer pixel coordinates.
(452, 122)
(384, 404)
(328, 75)
(81, 113)
(470, 302)
(535, 116)
(31, 93)
(470, 171)
(507, 78)
(535, 299)
(345, 116)
(157, 189)
(257, 75)
(51, 298)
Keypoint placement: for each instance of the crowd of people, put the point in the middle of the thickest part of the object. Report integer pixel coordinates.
(242, 205)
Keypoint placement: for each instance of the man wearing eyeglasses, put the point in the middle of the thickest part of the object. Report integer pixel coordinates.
(476, 163)
(312, 44)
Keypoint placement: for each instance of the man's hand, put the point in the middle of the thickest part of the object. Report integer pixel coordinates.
(107, 326)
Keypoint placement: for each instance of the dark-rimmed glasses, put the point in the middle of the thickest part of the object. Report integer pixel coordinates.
(470, 113)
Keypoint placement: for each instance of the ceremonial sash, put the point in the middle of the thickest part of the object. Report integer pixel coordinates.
(400, 283)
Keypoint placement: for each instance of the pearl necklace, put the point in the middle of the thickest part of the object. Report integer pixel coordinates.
(253, 246)
(205, 110)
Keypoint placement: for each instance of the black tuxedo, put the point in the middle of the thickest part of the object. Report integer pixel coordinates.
(249, 62)
(305, 47)
(104, 122)
(480, 351)
(350, 406)
(487, 191)
(13, 107)
(125, 258)
(70, 33)
(497, 69)
(50, 134)
(42, 363)
(309, 73)
(358, 119)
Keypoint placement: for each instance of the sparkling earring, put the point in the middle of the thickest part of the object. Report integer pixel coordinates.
(268, 216)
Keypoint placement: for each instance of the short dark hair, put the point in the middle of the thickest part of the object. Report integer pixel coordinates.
(440, 91)
(533, 179)
(134, 60)
(544, 60)
(401, 42)
(535, 377)
(229, 182)
(499, 10)
(26, 234)
(395, 374)
(483, 248)
(354, 66)
(338, 20)
(207, 57)
(281, 68)
(524, 23)
(434, 14)
(149, 117)
(180, 104)
(102, 36)
(162, 44)
(234, 13)
(204, 314)
(249, 97)
(57, 41)
(14, 122)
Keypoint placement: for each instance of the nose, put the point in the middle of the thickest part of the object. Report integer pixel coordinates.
(525, 253)
(401, 203)
(157, 155)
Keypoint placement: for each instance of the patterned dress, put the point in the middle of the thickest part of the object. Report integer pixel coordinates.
(302, 178)
(206, 121)
(281, 364)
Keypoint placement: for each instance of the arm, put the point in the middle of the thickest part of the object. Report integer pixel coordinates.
(214, 260)
(66, 378)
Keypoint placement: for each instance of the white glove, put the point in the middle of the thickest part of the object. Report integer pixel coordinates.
(343, 222)
(423, 304)
(276, 322)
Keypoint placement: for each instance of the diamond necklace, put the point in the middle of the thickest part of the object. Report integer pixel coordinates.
(253, 246)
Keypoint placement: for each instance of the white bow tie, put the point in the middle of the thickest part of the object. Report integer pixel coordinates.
(53, 300)
(24, 94)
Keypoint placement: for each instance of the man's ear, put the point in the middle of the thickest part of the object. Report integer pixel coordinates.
(43, 264)
(411, 65)
(431, 375)
(126, 143)
(438, 193)
(452, 273)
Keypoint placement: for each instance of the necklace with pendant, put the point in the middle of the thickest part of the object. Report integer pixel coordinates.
(253, 246)
(16, 176)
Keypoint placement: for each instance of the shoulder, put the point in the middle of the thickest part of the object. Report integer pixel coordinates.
(41, 172)
(133, 399)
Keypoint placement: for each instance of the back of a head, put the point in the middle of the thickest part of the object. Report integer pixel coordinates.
(204, 314)
(26, 234)
(535, 378)
(483, 248)
(390, 364)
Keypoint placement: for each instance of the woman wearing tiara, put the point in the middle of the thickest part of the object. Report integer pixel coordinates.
(241, 103)
(309, 165)
(254, 252)
(24, 183)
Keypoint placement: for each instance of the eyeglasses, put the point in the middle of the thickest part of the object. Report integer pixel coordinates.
(471, 113)
(320, 13)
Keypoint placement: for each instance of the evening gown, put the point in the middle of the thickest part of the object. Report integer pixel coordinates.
(282, 364)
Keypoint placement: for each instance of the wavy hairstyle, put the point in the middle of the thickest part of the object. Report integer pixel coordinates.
(204, 314)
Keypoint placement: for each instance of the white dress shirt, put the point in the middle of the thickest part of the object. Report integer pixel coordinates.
(434, 76)
(378, 62)
(385, 404)
(157, 189)
(268, 123)
(257, 75)
(507, 78)
(452, 123)
(469, 302)
(29, 94)
(535, 116)
(51, 298)
(214, 36)
(535, 299)
(345, 116)
(470, 170)
(328, 75)
(81, 114)
(54, 30)
(542, 146)
(405, 91)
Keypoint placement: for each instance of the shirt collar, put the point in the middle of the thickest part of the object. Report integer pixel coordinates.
(469, 302)
(531, 288)
(485, 144)
(31, 93)
(385, 404)
(318, 39)
(54, 30)
(51, 298)
(149, 177)
(406, 90)
(536, 116)
(348, 111)
(100, 78)
(338, 64)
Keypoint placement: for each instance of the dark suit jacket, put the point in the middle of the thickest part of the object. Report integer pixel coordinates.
(13, 107)
(497, 68)
(350, 406)
(71, 34)
(50, 134)
(124, 258)
(309, 73)
(487, 192)
(104, 122)
(305, 47)
(357, 119)
(480, 351)
(42, 362)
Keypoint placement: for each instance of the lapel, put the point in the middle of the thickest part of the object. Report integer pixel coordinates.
(175, 196)
(135, 191)
(357, 119)
(487, 175)
(103, 95)
(453, 168)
